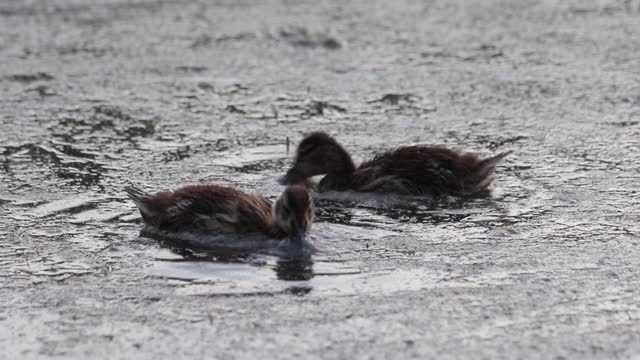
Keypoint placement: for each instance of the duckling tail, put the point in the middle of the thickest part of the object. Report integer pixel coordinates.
(483, 174)
(138, 196)
(135, 194)
(486, 166)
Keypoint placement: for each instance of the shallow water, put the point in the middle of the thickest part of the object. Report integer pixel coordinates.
(163, 93)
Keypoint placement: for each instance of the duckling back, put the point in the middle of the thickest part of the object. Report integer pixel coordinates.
(426, 170)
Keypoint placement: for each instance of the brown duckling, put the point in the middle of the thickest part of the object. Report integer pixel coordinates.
(205, 210)
(409, 170)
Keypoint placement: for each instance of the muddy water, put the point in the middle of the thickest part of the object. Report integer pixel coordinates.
(162, 93)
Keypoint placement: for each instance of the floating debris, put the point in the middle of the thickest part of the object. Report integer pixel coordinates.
(206, 40)
(394, 102)
(397, 99)
(494, 143)
(481, 52)
(320, 108)
(234, 109)
(303, 37)
(192, 69)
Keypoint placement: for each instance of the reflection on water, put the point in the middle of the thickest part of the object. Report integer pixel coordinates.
(242, 272)
(359, 209)
(268, 275)
(294, 268)
(214, 260)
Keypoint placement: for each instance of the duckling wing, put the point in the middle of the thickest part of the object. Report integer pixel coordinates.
(188, 212)
(215, 209)
(414, 170)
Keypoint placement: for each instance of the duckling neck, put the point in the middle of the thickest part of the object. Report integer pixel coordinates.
(340, 177)
(337, 180)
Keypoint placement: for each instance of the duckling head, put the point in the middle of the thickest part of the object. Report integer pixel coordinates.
(294, 212)
(318, 154)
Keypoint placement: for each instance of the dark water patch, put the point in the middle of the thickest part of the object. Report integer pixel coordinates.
(632, 100)
(65, 161)
(20, 201)
(84, 174)
(260, 166)
(397, 99)
(422, 215)
(287, 108)
(320, 108)
(74, 151)
(493, 143)
(11, 9)
(29, 78)
(619, 7)
(623, 124)
(103, 125)
(105, 116)
(42, 91)
(75, 50)
(333, 211)
(234, 37)
(234, 109)
(398, 102)
(303, 37)
(271, 113)
(111, 112)
(192, 69)
(33, 150)
(482, 52)
(298, 290)
(177, 154)
(187, 151)
(206, 40)
(224, 90)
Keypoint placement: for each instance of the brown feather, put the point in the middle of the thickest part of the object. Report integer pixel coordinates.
(411, 170)
(209, 208)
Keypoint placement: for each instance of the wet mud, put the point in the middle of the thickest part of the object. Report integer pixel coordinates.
(98, 96)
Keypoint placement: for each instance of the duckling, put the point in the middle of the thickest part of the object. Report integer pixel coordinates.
(409, 170)
(218, 210)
